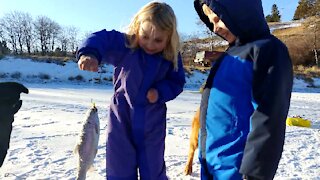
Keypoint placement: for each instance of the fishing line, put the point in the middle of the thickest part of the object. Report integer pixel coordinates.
(93, 103)
(92, 81)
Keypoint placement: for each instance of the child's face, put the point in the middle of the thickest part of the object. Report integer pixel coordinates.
(151, 39)
(218, 26)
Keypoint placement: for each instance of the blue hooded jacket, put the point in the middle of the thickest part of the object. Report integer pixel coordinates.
(247, 95)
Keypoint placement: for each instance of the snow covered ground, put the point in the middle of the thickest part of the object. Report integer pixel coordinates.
(46, 128)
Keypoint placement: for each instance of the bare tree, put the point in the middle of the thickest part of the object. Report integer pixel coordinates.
(190, 49)
(1, 32)
(63, 39)
(55, 30)
(9, 28)
(86, 34)
(42, 30)
(27, 29)
(207, 32)
(315, 45)
(19, 29)
(73, 40)
(19, 25)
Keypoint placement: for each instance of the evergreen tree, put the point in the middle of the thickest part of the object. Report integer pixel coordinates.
(275, 14)
(307, 8)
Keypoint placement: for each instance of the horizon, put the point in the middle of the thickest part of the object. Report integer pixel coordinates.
(94, 15)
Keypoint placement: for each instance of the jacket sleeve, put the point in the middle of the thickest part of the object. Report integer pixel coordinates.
(172, 85)
(272, 86)
(106, 46)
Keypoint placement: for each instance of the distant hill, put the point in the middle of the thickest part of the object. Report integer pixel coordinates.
(302, 41)
(301, 38)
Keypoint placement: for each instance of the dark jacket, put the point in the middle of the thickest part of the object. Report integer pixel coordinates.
(268, 88)
(10, 103)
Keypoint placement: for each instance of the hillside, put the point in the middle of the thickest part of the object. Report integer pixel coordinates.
(302, 41)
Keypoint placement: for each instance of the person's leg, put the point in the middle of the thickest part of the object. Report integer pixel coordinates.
(228, 173)
(121, 161)
(151, 162)
(204, 172)
(150, 130)
(224, 162)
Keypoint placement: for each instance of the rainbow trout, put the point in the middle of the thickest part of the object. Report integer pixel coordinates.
(87, 147)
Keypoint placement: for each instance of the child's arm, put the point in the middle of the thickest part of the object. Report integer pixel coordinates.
(172, 86)
(272, 85)
(105, 46)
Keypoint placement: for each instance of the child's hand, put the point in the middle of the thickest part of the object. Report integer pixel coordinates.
(88, 63)
(152, 95)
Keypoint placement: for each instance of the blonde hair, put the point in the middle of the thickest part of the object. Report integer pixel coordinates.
(163, 17)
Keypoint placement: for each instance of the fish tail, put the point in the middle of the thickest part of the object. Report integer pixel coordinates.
(93, 103)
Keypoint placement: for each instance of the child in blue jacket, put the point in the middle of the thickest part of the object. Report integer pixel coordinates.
(246, 98)
(148, 73)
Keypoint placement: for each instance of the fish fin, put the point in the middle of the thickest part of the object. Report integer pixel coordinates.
(93, 104)
(76, 149)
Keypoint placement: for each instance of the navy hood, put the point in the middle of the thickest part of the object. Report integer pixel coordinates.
(244, 18)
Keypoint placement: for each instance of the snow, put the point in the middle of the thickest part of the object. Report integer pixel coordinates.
(284, 25)
(47, 126)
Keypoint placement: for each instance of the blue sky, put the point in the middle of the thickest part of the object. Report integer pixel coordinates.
(93, 15)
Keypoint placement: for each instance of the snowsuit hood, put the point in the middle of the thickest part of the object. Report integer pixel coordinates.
(244, 18)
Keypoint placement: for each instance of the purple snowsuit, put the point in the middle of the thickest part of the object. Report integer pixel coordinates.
(136, 128)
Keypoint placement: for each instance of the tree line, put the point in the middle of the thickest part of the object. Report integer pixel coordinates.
(21, 34)
(305, 9)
